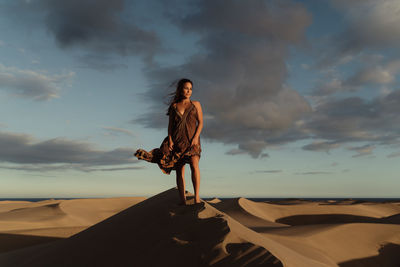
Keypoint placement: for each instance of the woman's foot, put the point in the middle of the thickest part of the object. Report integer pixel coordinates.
(197, 201)
(182, 203)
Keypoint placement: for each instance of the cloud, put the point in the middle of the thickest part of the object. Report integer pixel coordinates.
(99, 26)
(267, 171)
(117, 131)
(354, 119)
(239, 74)
(372, 73)
(362, 150)
(235, 151)
(63, 167)
(321, 146)
(375, 74)
(22, 149)
(119, 169)
(370, 25)
(37, 85)
(329, 87)
(312, 173)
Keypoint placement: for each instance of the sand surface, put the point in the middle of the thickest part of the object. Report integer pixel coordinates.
(135, 231)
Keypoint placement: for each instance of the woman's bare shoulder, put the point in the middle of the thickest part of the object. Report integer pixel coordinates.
(197, 103)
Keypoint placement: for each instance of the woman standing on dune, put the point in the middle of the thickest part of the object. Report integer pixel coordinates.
(182, 145)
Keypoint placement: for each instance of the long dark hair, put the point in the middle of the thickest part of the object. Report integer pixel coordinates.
(177, 96)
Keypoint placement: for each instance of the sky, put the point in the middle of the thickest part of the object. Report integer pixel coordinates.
(299, 98)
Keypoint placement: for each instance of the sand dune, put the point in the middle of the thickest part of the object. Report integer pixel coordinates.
(39, 213)
(342, 242)
(81, 213)
(7, 205)
(214, 200)
(274, 212)
(234, 232)
(249, 217)
(155, 232)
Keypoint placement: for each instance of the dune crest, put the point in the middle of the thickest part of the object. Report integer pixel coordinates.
(245, 212)
(214, 200)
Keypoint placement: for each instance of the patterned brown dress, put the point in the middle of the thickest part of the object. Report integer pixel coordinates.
(183, 130)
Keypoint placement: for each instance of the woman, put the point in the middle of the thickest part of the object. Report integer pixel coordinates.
(182, 145)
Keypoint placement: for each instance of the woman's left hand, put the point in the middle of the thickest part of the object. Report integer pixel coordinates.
(195, 141)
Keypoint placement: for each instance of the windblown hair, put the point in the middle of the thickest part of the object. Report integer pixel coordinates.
(177, 96)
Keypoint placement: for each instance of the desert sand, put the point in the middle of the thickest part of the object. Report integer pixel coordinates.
(156, 231)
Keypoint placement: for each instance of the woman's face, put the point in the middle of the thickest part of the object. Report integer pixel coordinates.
(187, 90)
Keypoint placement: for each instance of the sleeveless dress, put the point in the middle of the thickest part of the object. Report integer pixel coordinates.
(183, 130)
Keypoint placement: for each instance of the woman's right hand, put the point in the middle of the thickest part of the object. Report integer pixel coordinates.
(170, 145)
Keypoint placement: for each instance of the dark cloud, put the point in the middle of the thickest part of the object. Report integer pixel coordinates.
(239, 75)
(330, 86)
(45, 155)
(370, 25)
(235, 151)
(354, 119)
(32, 84)
(343, 120)
(321, 146)
(97, 26)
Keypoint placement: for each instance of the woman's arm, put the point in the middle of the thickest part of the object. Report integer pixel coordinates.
(200, 118)
(170, 127)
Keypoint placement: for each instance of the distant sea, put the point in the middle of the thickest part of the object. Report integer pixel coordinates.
(250, 198)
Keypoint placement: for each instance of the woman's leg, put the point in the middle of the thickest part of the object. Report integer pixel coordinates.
(194, 167)
(180, 182)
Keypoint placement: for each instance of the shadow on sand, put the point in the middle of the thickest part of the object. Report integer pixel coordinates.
(10, 242)
(388, 257)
